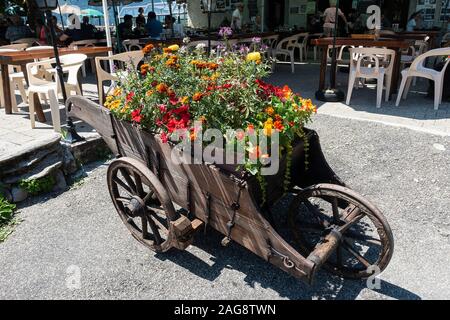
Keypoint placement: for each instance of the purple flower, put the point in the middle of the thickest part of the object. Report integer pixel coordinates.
(225, 32)
(244, 49)
(256, 40)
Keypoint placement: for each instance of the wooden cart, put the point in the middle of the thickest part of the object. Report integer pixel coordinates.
(164, 204)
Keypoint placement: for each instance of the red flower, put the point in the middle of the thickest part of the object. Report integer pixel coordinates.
(162, 108)
(136, 116)
(164, 137)
(154, 83)
(173, 101)
(130, 96)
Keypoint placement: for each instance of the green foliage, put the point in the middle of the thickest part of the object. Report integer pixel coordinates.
(6, 210)
(38, 186)
(6, 218)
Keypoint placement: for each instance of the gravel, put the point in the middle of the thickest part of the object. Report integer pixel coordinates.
(78, 235)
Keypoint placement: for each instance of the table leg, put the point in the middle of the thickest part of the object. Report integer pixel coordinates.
(37, 103)
(6, 89)
(396, 72)
(323, 69)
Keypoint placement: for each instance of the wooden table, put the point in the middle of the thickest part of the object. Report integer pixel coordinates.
(396, 45)
(21, 58)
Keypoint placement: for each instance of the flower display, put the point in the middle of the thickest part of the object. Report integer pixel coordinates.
(175, 88)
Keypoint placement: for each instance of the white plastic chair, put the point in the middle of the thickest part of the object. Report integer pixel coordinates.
(286, 48)
(131, 45)
(131, 57)
(39, 85)
(28, 41)
(71, 64)
(371, 63)
(271, 43)
(418, 69)
(302, 45)
(85, 43)
(17, 46)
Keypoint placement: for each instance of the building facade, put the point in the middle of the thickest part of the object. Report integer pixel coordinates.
(298, 13)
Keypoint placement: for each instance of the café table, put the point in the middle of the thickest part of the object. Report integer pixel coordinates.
(21, 58)
(394, 44)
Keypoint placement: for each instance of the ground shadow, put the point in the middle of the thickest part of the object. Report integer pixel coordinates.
(259, 272)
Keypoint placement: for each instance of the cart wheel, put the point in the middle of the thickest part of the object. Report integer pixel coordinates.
(142, 203)
(367, 241)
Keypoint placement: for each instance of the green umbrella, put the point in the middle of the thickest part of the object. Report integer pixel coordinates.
(91, 13)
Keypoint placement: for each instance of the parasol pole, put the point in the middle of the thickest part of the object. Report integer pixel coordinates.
(60, 14)
(262, 15)
(153, 5)
(171, 18)
(107, 30)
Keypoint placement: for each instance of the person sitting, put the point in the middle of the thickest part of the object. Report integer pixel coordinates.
(414, 22)
(17, 30)
(87, 29)
(125, 29)
(139, 30)
(153, 27)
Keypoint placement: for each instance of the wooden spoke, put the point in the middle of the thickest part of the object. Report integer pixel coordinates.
(123, 185)
(354, 236)
(373, 233)
(155, 230)
(156, 219)
(319, 214)
(128, 179)
(144, 227)
(138, 182)
(335, 207)
(123, 200)
(353, 218)
(148, 196)
(349, 248)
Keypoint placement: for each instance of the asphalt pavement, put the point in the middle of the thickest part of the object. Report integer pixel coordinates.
(73, 245)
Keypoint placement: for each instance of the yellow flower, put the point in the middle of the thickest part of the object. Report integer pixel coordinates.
(115, 105)
(117, 92)
(172, 48)
(184, 100)
(254, 56)
(149, 93)
(125, 108)
(268, 126)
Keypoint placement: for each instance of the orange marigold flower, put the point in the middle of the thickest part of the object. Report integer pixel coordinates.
(161, 88)
(149, 93)
(213, 66)
(148, 48)
(270, 111)
(197, 96)
(278, 125)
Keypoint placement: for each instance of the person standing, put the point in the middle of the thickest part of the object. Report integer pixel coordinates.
(140, 19)
(330, 19)
(236, 22)
(153, 27)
